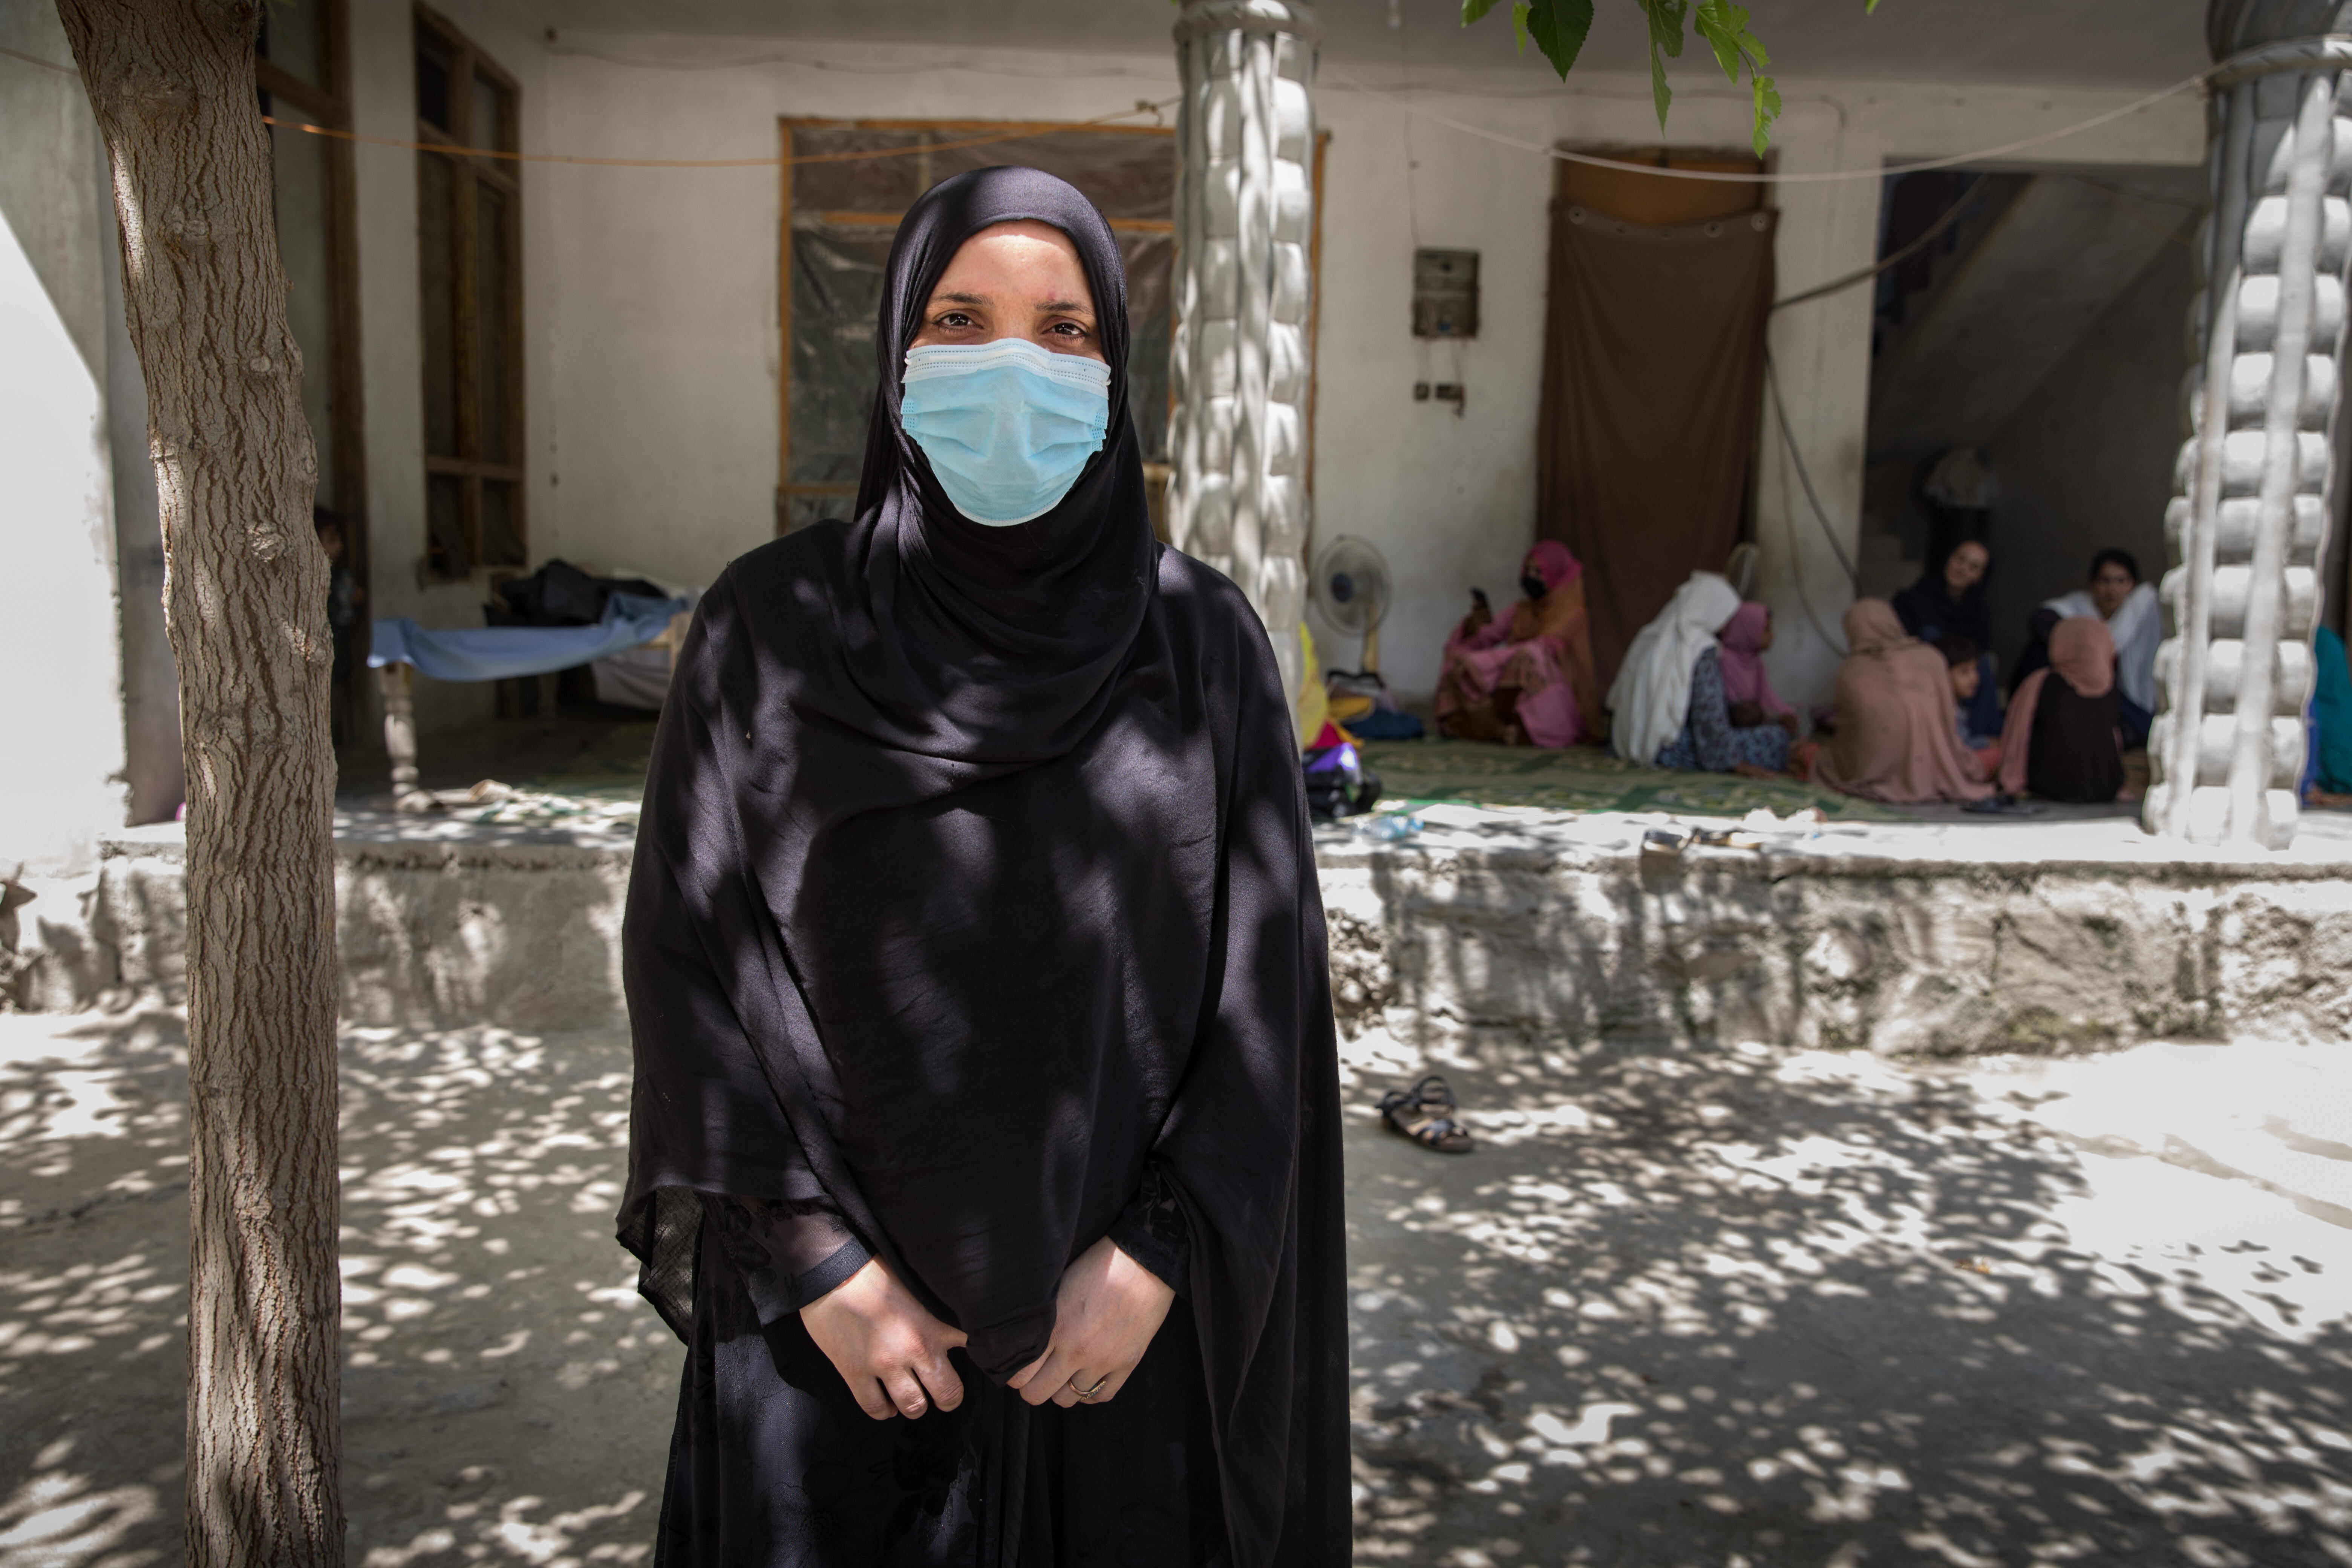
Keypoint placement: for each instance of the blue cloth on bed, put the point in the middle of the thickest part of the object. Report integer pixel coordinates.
(493, 653)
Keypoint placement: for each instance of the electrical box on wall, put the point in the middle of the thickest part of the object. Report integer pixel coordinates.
(1445, 293)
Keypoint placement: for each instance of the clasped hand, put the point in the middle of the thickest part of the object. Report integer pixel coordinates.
(888, 1349)
(1108, 1308)
(893, 1354)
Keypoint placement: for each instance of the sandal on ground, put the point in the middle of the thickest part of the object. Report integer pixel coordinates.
(1426, 1114)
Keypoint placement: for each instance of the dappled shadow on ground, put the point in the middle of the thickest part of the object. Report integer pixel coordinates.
(506, 1395)
(1685, 1306)
(1705, 1306)
(93, 1281)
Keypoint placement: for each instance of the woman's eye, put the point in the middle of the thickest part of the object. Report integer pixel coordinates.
(955, 319)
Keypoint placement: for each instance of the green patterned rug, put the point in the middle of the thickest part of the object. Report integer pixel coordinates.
(1586, 778)
(591, 769)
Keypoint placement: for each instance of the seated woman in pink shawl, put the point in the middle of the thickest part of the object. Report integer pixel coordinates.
(2063, 741)
(1894, 739)
(1745, 686)
(1525, 680)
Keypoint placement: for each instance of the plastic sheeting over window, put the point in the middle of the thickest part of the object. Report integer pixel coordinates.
(842, 217)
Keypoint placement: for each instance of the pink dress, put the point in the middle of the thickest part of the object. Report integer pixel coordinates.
(1543, 650)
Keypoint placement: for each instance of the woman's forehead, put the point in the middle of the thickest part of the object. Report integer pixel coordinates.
(1025, 246)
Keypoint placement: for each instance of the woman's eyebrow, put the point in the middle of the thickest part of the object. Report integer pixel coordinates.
(1066, 307)
(961, 298)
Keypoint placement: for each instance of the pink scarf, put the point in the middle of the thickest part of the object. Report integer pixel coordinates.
(1744, 680)
(1550, 561)
(2083, 652)
(1894, 739)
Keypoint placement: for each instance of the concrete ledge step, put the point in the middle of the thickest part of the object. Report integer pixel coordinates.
(1939, 938)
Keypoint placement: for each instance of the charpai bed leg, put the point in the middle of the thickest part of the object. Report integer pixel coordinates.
(398, 682)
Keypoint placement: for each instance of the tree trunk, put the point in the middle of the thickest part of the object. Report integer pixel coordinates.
(245, 587)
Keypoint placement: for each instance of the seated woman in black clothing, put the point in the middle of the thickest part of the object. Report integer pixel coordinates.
(2064, 741)
(2135, 625)
(1948, 601)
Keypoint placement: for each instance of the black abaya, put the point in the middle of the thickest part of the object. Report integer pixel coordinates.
(974, 897)
(2073, 754)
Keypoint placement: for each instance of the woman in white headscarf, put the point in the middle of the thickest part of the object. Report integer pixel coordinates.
(1668, 705)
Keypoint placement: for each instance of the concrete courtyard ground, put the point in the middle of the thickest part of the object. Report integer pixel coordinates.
(1685, 1305)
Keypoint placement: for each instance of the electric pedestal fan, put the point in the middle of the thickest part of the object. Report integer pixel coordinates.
(1351, 585)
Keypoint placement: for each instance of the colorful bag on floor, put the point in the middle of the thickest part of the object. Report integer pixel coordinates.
(1338, 782)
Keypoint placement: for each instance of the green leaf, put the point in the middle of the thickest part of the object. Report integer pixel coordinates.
(1767, 109)
(1868, 7)
(1666, 18)
(1722, 25)
(1558, 29)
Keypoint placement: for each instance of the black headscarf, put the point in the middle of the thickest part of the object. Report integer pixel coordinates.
(974, 873)
(1930, 611)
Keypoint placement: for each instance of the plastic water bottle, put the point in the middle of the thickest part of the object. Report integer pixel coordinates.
(1387, 827)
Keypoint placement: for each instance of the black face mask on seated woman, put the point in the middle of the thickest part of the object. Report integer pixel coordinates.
(1533, 586)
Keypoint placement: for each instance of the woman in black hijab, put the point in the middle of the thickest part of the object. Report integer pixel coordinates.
(1949, 601)
(976, 972)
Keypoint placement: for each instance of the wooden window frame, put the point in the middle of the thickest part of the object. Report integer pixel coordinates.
(469, 170)
(346, 411)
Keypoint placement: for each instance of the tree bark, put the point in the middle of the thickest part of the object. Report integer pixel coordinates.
(172, 83)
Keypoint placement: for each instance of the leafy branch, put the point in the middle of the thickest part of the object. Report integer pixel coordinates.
(1558, 29)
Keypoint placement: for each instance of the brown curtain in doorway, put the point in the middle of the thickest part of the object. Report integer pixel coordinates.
(1653, 372)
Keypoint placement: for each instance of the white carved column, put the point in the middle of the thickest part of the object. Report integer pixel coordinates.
(1238, 367)
(2248, 524)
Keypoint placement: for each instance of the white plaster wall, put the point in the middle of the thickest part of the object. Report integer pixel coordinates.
(666, 359)
(1452, 502)
(651, 313)
(60, 671)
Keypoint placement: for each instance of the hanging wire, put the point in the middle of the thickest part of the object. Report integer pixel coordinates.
(37, 60)
(1328, 72)
(843, 68)
(1951, 215)
(1333, 73)
(1796, 551)
(774, 162)
(1412, 163)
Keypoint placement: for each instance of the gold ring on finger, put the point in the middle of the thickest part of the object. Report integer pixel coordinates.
(1089, 1392)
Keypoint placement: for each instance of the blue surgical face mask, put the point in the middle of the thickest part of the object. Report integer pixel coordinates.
(1007, 425)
